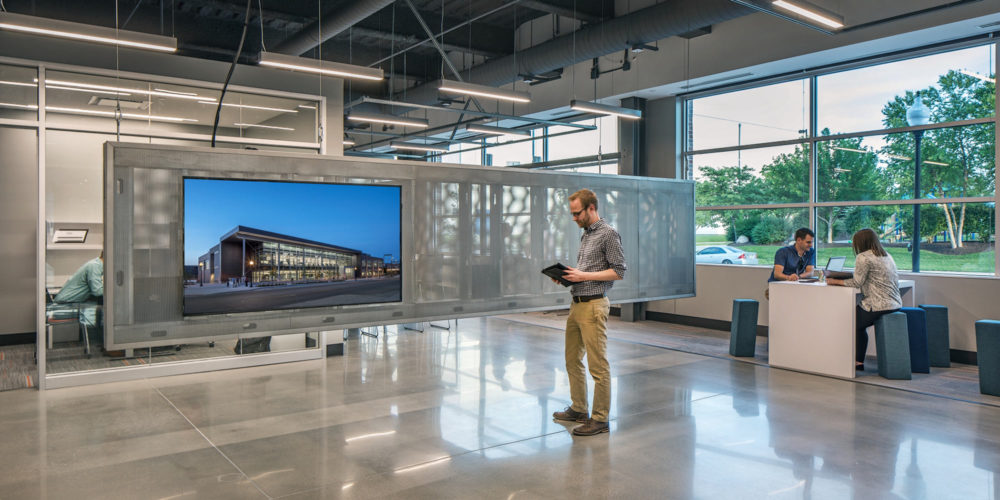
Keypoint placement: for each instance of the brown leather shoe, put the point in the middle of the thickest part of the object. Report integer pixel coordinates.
(571, 415)
(591, 428)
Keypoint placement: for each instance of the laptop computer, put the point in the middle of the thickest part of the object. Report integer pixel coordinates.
(835, 269)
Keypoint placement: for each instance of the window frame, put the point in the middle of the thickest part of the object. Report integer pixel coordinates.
(812, 139)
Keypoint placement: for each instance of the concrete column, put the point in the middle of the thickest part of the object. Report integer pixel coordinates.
(632, 140)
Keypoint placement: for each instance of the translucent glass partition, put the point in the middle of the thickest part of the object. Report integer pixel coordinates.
(18, 92)
(473, 239)
(92, 102)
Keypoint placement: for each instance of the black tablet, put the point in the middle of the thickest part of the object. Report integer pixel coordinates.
(556, 272)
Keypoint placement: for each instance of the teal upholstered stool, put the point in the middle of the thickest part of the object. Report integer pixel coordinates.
(938, 340)
(743, 332)
(892, 346)
(988, 354)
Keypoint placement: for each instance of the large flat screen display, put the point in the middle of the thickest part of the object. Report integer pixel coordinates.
(263, 245)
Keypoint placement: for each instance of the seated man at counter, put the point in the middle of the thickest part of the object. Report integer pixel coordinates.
(796, 260)
(85, 287)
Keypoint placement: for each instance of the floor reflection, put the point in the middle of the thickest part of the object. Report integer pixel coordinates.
(465, 412)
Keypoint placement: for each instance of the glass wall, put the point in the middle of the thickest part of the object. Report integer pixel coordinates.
(18, 92)
(546, 144)
(93, 102)
(858, 169)
(602, 140)
(82, 112)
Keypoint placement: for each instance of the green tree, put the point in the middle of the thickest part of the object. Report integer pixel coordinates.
(956, 161)
(846, 172)
(728, 186)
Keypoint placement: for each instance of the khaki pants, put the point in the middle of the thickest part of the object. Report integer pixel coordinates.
(586, 333)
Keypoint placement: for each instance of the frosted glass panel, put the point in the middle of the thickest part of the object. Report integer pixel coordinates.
(474, 239)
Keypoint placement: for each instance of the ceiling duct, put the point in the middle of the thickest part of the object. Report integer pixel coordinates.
(666, 19)
(331, 25)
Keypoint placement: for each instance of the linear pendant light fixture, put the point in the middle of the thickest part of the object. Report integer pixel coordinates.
(388, 119)
(453, 87)
(810, 12)
(418, 147)
(328, 68)
(486, 129)
(85, 32)
(71, 85)
(604, 109)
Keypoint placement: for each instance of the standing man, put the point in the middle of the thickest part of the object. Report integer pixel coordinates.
(795, 260)
(600, 262)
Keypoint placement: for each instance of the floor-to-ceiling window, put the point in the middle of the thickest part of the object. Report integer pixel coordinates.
(836, 151)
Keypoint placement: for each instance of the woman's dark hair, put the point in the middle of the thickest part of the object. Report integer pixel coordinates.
(865, 240)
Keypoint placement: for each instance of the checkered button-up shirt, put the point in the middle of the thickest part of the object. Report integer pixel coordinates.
(600, 249)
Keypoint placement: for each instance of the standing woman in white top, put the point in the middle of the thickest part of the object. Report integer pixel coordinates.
(875, 275)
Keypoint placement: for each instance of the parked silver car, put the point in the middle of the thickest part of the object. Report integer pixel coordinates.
(722, 254)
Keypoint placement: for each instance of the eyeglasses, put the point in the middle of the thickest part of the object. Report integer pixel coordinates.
(578, 212)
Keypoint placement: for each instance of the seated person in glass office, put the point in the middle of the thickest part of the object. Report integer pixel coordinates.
(796, 260)
(85, 287)
(875, 275)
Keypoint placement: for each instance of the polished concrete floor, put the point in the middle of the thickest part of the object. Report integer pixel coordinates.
(466, 414)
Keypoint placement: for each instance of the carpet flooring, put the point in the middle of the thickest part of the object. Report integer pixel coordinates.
(17, 367)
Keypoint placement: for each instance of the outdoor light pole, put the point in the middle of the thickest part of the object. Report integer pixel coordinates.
(917, 114)
(201, 274)
(917, 136)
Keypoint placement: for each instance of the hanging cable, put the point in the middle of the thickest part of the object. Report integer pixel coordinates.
(350, 60)
(260, 15)
(232, 67)
(321, 133)
(472, 57)
(392, 62)
(513, 85)
(118, 102)
(574, 50)
(441, 30)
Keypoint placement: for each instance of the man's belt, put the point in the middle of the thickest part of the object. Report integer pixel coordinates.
(586, 298)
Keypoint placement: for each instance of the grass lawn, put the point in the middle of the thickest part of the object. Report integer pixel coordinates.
(981, 262)
(710, 238)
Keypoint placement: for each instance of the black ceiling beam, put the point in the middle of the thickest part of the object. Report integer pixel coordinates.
(556, 7)
(485, 37)
(695, 33)
(403, 40)
(419, 66)
(225, 11)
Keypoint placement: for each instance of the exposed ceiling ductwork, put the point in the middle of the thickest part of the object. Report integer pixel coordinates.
(331, 25)
(670, 18)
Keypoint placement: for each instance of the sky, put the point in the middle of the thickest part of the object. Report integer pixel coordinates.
(361, 217)
(848, 101)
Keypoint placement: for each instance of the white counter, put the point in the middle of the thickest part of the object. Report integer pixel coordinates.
(812, 326)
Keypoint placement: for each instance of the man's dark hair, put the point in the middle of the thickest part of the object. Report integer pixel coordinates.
(802, 232)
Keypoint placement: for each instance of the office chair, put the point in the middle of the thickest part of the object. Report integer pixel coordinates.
(56, 314)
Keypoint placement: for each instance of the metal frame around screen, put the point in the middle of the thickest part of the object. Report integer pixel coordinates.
(449, 267)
